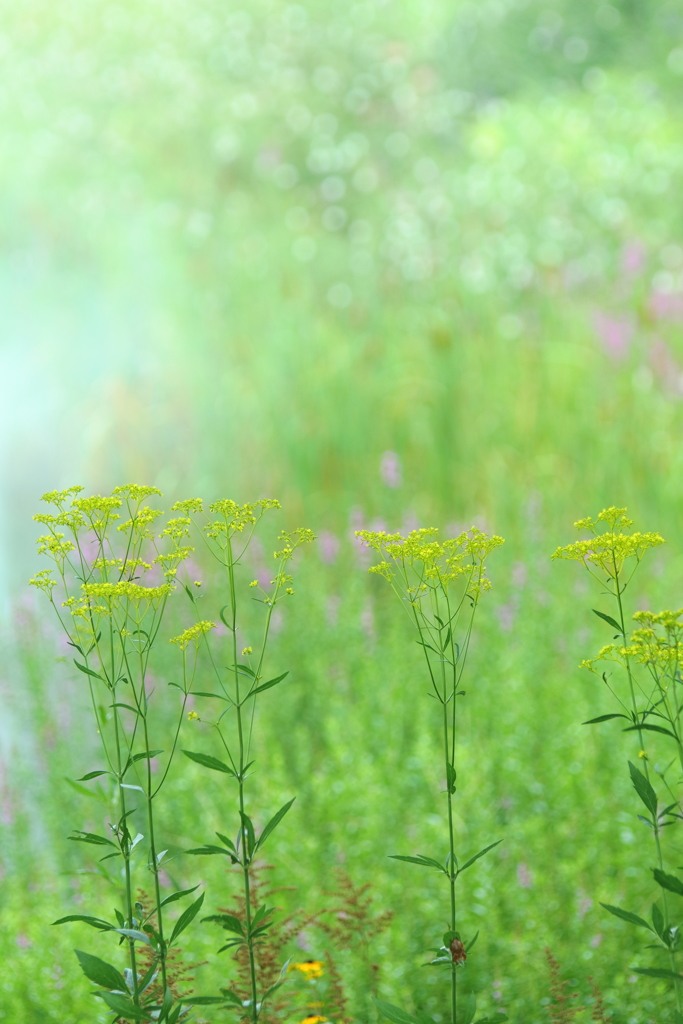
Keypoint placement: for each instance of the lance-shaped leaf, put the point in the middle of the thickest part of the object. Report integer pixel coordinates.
(227, 921)
(248, 834)
(643, 788)
(394, 1013)
(208, 762)
(425, 862)
(100, 972)
(90, 837)
(206, 850)
(626, 915)
(658, 972)
(177, 895)
(272, 824)
(669, 882)
(470, 862)
(88, 671)
(658, 920)
(648, 727)
(94, 922)
(609, 620)
(266, 686)
(92, 775)
(145, 755)
(124, 1007)
(603, 718)
(134, 934)
(185, 918)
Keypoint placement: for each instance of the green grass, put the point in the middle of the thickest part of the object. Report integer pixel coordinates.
(153, 220)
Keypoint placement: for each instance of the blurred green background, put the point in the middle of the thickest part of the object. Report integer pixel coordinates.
(394, 264)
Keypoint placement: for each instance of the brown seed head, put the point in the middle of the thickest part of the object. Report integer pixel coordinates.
(458, 953)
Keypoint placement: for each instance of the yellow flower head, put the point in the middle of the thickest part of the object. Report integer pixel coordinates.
(310, 969)
(193, 716)
(195, 634)
(642, 754)
(609, 550)
(313, 1018)
(247, 650)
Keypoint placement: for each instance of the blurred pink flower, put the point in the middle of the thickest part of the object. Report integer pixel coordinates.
(390, 470)
(615, 333)
(524, 876)
(633, 258)
(328, 546)
(666, 305)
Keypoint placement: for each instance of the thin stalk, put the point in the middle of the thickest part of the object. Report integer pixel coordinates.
(240, 782)
(658, 844)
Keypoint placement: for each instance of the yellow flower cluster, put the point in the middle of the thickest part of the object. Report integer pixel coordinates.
(436, 563)
(53, 544)
(609, 550)
(177, 528)
(135, 492)
(195, 634)
(126, 590)
(658, 644)
(141, 522)
(43, 580)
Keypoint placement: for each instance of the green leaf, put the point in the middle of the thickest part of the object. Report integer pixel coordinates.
(208, 762)
(470, 944)
(626, 915)
(90, 837)
(132, 933)
(273, 824)
(89, 671)
(232, 996)
(205, 851)
(602, 718)
(271, 991)
(451, 776)
(644, 789)
(651, 728)
(267, 686)
(185, 918)
(425, 862)
(394, 1013)
(609, 620)
(222, 618)
(658, 920)
(99, 971)
(124, 1007)
(206, 1001)
(228, 842)
(177, 895)
(166, 1006)
(204, 693)
(92, 775)
(245, 670)
(658, 972)
(144, 755)
(468, 863)
(129, 707)
(94, 922)
(227, 921)
(669, 882)
(248, 833)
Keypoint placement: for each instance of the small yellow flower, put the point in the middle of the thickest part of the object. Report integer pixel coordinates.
(247, 650)
(290, 590)
(254, 583)
(310, 969)
(197, 583)
(193, 716)
(643, 755)
(313, 1018)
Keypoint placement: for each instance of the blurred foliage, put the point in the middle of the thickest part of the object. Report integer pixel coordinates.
(388, 262)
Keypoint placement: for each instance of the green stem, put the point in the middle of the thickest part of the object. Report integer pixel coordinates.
(240, 781)
(153, 855)
(672, 956)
